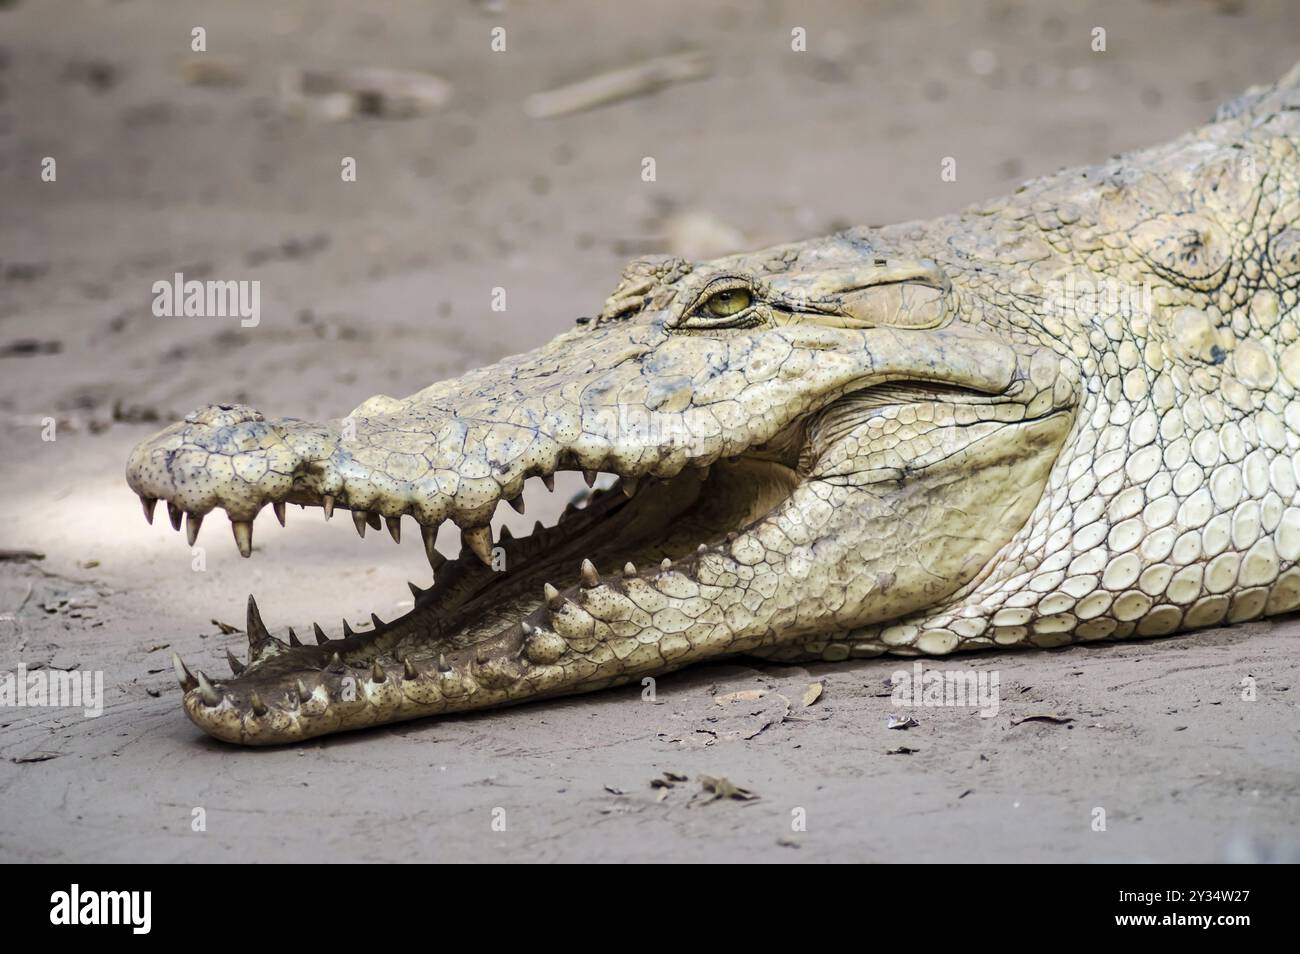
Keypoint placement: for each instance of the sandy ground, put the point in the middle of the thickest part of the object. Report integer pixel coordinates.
(384, 284)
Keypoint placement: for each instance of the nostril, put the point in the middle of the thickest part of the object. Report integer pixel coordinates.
(225, 415)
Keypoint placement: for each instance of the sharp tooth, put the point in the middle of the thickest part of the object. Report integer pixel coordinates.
(253, 624)
(526, 628)
(174, 513)
(359, 521)
(702, 549)
(293, 638)
(243, 530)
(552, 596)
(373, 520)
(548, 480)
(321, 638)
(589, 476)
(235, 665)
(379, 623)
(347, 630)
(335, 663)
(590, 577)
(206, 690)
(538, 527)
(376, 673)
(517, 503)
(629, 570)
(479, 540)
(394, 528)
(415, 590)
(327, 504)
(408, 669)
(303, 694)
(192, 523)
(183, 675)
(442, 663)
(666, 565)
(148, 503)
(278, 507)
(256, 704)
(629, 485)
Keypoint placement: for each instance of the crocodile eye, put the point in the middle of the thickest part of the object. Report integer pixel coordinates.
(727, 303)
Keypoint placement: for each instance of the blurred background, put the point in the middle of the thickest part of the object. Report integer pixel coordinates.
(226, 164)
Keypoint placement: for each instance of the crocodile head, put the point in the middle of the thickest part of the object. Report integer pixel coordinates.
(806, 439)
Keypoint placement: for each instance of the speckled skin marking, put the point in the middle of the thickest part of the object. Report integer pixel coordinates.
(1067, 415)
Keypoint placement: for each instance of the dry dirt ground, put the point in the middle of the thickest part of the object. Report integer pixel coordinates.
(383, 285)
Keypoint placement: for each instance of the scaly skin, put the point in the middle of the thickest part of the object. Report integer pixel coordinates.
(916, 439)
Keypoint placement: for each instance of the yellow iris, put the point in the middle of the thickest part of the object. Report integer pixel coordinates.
(727, 303)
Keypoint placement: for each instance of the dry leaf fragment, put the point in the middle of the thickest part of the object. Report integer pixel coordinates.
(744, 695)
(812, 694)
(1050, 719)
(723, 787)
(635, 80)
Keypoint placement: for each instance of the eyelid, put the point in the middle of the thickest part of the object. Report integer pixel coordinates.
(719, 285)
(697, 316)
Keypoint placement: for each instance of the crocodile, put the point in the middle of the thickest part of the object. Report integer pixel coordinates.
(1071, 415)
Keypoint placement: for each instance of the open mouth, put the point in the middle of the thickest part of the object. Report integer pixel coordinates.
(559, 610)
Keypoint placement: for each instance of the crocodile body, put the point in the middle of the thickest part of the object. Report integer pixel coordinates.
(1069, 415)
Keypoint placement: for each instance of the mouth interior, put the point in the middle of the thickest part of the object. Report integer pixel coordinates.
(665, 520)
(628, 528)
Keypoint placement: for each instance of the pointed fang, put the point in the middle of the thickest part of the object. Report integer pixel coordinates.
(394, 528)
(327, 504)
(243, 530)
(377, 673)
(148, 503)
(174, 513)
(192, 523)
(359, 521)
(236, 666)
(590, 578)
(517, 503)
(183, 675)
(479, 540)
(256, 703)
(254, 626)
(278, 507)
(552, 596)
(207, 691)
(408, 669)
(321, 638)
(293, 638)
